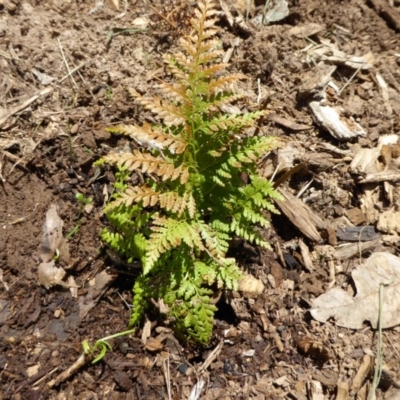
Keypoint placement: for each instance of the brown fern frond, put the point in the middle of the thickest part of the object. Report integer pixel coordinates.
(191, 205)
(170, 201)
(176, 92)
(202, 52)
(179, 58)
(178, 73)
(150, 138)
(211, 71)
(150, 164)
(209, 33)
(169, 112)
(210, 56)
(225, 100)
(189, 46)
(187, 63)
(203, 15)
(221, 82)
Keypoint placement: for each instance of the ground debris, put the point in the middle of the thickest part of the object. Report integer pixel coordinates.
(50, 135)
(351, 312)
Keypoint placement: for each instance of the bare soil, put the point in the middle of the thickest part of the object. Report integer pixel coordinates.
(52, 129)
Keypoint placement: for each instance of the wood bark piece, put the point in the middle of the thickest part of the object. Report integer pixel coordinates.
(342, 391)
(303, 31)
(365, 161)
(389, 221)
(315, 391)
(305, 253)
(381, 177)
(301, 216)
(356, 216)
(387, 12)
(287, 123)
(351, 250)
(333, 120)
(357, 234)
(362, 373)
(329, 53)
(78, 364)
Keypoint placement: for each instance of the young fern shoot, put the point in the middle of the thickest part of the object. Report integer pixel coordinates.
(179, 223)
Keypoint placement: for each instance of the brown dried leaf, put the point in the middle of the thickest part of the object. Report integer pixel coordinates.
(351, 312)
(251, 285)
(146, 331)
(50, 275)
(153, 344)
(53, 239)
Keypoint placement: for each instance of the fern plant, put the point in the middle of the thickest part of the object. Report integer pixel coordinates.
(179, 223)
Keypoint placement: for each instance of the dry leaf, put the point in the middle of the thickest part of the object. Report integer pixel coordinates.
(153, 344)
(97, 287)
(53, 239)
(50, 275)
(314, 349)
(53, 243)
(140, 23)
(389, 221)
(146, 331)
(334, 120)
(351, 312)
(251, 285)
(42, 77)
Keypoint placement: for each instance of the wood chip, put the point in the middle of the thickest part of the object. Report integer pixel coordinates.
(342, 391)
(305, 253)
(362, 373)
(303, 31)
(381, 177)
(301, 216)
(355, 249)
(287, 123)
(153, 344)
(356, 216)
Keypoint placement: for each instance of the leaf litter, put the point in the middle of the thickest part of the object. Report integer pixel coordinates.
(54, 246)
(352, 312)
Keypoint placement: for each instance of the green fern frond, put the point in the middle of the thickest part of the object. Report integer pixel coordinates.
(217, 180)
(241, 227)
(218, 100)
(204, 272)
(216, 241)
(167, 234)
(140, 300)
(229, 274)
(234, 122)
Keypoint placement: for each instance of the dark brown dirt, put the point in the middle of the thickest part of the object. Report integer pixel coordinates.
(271, 347)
